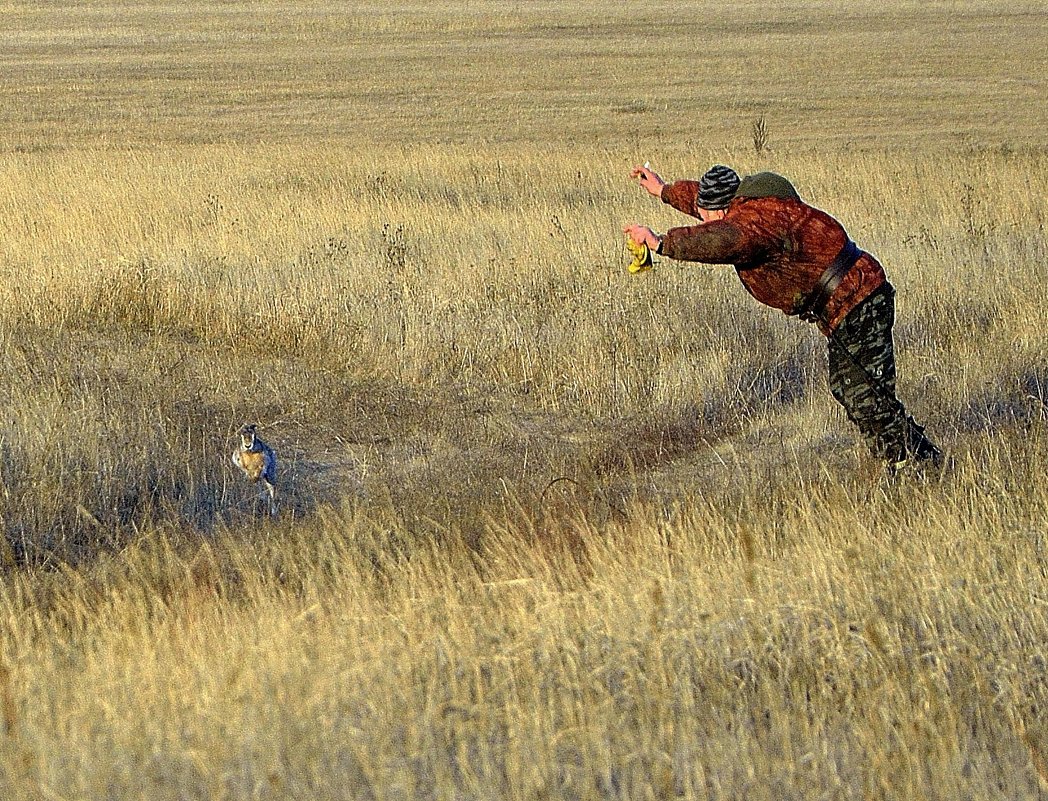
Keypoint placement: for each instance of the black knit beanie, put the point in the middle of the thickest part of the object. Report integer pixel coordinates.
(717, 187)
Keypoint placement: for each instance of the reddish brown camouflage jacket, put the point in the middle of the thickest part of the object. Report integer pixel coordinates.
(780, 246)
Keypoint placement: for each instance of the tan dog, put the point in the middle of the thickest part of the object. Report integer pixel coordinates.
(258, 462)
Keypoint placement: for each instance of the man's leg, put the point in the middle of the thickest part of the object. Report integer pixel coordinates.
(862, 379)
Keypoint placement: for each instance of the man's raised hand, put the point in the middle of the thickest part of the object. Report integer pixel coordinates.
(648, 179)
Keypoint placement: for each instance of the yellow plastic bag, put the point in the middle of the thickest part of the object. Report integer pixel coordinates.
(641, 253)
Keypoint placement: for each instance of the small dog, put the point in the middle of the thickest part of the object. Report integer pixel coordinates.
(259, 463)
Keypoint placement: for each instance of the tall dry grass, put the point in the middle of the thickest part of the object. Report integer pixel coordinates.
(875, 650)
(548, 530)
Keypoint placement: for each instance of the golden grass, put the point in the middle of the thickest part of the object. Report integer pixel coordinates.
(694, 654)
(548, 530)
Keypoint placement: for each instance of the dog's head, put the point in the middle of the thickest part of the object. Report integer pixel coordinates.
(247, 436)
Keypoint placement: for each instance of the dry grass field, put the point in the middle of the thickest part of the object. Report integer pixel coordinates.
(547, 530)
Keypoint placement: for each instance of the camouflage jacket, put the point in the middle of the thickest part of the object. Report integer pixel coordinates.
(779, 245)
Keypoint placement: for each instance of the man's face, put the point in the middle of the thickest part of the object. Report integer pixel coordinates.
(708, 215)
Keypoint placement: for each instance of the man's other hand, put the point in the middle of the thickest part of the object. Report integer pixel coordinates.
(643, 235)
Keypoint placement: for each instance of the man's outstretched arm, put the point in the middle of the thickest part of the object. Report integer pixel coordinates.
(715, 242)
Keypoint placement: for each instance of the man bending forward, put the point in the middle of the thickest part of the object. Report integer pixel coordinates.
(798, 259)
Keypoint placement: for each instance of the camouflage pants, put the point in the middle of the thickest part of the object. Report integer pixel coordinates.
(862, 379)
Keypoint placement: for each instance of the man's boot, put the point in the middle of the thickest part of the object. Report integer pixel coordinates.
(921, 447)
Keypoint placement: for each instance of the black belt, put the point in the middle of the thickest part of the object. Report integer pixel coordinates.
(814, 304)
